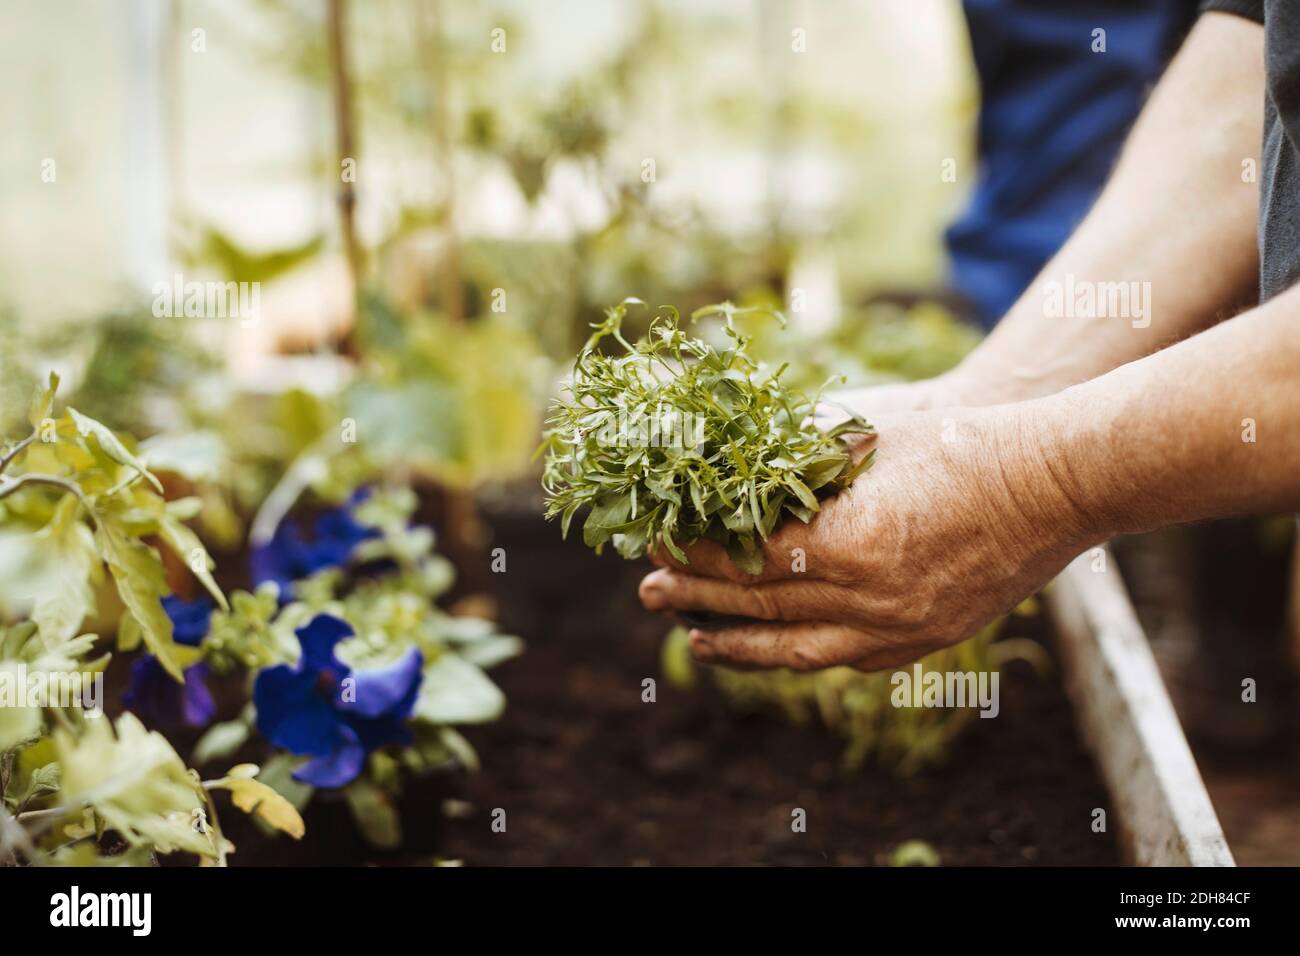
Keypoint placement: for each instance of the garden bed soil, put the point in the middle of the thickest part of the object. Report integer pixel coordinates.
(588, 774)
(1212, 598)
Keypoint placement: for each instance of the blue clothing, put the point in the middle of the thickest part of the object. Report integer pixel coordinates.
(1054, 116)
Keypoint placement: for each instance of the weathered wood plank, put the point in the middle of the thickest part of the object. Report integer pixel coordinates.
(1159, 800)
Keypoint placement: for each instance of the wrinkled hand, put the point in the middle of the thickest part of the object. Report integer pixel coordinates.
(957, 521)
(944, 391)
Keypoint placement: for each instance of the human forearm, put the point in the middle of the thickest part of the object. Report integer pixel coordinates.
(1207, 428)
(1177, 214)
(966, 511)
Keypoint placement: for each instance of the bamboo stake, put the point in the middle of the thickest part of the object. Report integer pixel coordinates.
(433, 47)
(346, 142)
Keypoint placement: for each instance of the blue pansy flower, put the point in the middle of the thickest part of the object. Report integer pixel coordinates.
(190, 619)
(290, 555)
(153, 694)
(321, 709)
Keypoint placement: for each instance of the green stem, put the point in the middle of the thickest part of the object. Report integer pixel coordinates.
(30, 816)
(219, 841)
(16, 451)
(9, 486)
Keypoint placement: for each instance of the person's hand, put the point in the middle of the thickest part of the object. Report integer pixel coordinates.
(957, 521)
(976, 382)
(942, 391)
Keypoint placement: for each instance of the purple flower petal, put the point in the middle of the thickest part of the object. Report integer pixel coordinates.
(390, 689)
(198, 706)
(190, 619)
(307, 709)
(154, 696)
(339, 767)
(293, 714)
(317, 638)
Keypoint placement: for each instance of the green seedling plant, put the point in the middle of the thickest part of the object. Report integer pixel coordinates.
(855, 706)
(869, 348)
(670, 441)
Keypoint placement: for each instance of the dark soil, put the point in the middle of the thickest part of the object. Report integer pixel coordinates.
(1212, 599)
(589, 774)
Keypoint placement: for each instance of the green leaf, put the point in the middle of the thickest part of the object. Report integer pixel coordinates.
(914, 853)
(199, 455)
(672, 547)
(141, 583)
(112, 446)
(220, 741)
(129, 634)
(859, 467)
(745, 555)
(374, 813)
(605, 519)
(460, 748)
(43, 402)
(801, 492)
(18, 724)
(14, 640)
(185, 544)
(277, 773)
(135, 782)
(63, 596)
(676, 660)
(244, 265)
(44, 780)
(743, 444)
(454, 691)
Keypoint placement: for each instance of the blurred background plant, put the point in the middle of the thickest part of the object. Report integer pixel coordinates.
(434, 199)
(856, 706)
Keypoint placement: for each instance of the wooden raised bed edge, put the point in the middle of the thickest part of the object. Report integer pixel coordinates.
(1126, 719)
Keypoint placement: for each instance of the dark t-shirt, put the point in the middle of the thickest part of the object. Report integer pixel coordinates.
(1279, 183)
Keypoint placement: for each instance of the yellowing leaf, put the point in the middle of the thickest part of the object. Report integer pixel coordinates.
(112, 446)
(43, 402)
(18, 724)
(136, 784)
(141, 582)
(64, 597)
(187, 546)
(253, 796)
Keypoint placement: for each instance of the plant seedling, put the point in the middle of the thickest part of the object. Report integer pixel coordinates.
(670, 441)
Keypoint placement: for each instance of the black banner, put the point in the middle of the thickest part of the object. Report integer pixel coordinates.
(124, 906)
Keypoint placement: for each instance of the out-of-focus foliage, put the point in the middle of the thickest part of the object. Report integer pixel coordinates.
(214, 249)
(857, 706)
(75, 498)
(871, 345)
(427, 387)
(385, 592)
(129, 369)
